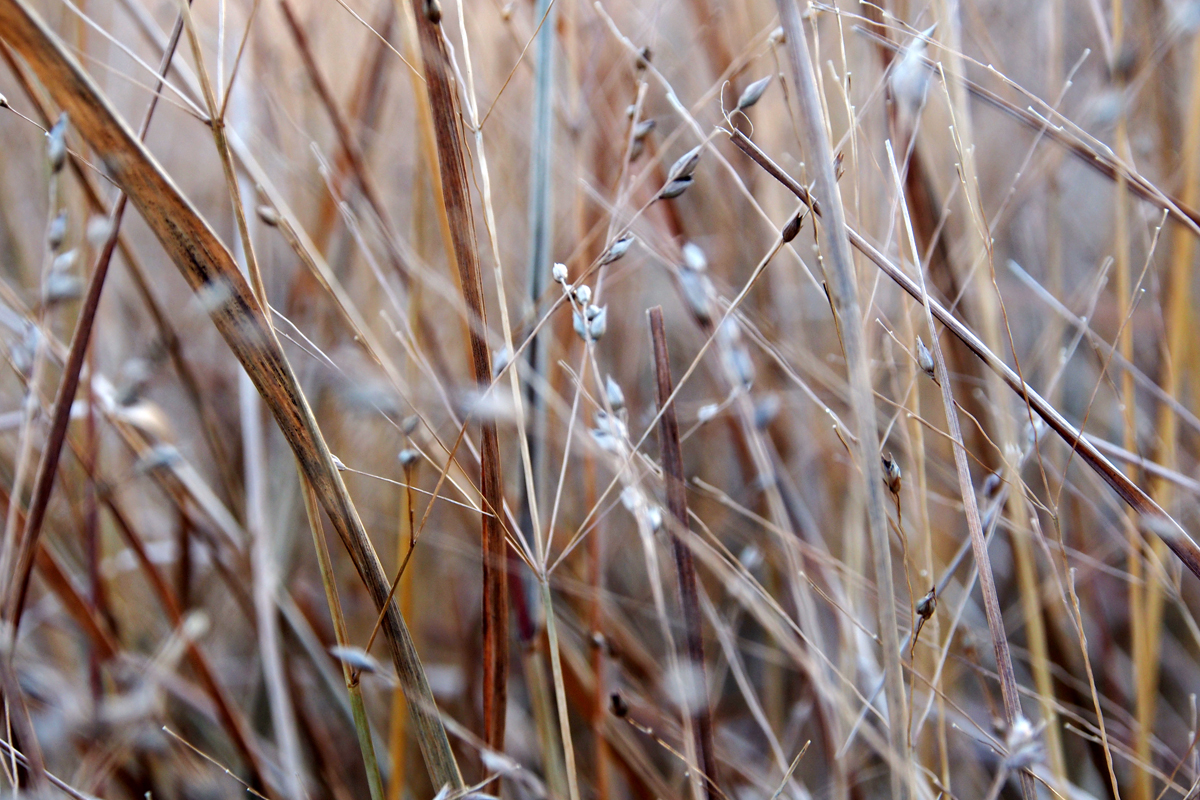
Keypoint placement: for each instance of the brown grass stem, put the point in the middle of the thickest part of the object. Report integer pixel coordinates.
(443, 101)
(693, 652)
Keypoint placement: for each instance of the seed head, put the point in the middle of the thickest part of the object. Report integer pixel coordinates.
(408, 457)
(268, 216)
(925, 358)
(686, 164)
(792, 229)
(909, 80)
(891, 474)
(583, 294)
(616, 398)
(597, 322)
(927, 604)
(57, 231)
(694, 258)
(753, 93)
(559, 272)
(617, 249)
(674, 188)
(56, 144)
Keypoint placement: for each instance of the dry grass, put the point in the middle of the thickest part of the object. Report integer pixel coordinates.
(774, 549)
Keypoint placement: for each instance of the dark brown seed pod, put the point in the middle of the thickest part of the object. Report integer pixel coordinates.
(792, 229)
(891, 474)
(618, 705)
(927, 604)
(433, 11)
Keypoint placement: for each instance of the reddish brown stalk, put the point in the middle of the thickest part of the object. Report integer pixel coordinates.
(1155, 519)
(672, 464)
(60, 416)
(443, 101)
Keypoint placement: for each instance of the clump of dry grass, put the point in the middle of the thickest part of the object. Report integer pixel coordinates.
(736, 557)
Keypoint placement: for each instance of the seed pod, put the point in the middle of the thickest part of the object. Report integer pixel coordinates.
(927, 604)
(56, 144)
(98, 230)
(408, 457)
(617, 250)
(597, 322)
(337, 463)
(559, 273)
(356, 658)
(753, 93)
(500, 361)
(433, 11)
(605, 440)
(686, 164)
(925, 358)
(674, 188)
(410, 424)
(694, 258)
(268, 216)
(60, 287)
(616, 398)
(643, 58)
(57, 231)
(792, 229)
(654, 518)
(3, 101)
(580, 324)
(643, 128)
(891, 474)
(583, 294)
(618, 706)
(697, 290)
(909, 79)
(640, 132)
(64, 261)
(765, 410)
